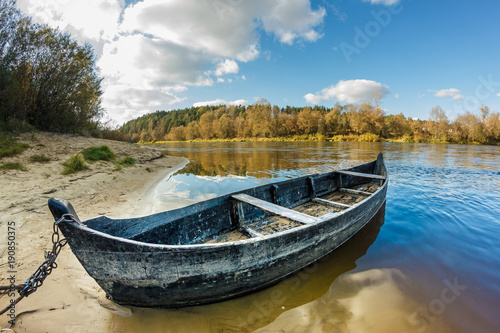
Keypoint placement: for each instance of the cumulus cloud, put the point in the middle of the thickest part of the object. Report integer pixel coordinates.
(226, 67)
(151, 51)
(86, 20)
(130, 102)
(221, 102)
(452, 92)
(351, 91)
(383, 2)
(293, 19)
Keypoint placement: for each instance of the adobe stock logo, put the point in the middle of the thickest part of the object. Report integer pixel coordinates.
(224, 7)
(425, 315)
(363, 37)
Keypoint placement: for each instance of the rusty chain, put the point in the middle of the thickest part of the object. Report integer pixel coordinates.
(36, 279)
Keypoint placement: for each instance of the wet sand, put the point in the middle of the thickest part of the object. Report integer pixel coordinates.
(69, 300)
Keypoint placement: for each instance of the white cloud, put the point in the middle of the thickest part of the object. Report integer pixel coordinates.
(498, 94)
(88, 19)
(221, 102)
(383, 2)
(156, 49)
(452, 92)
(293, 19)
(129, 102)
(226, 67)
(186, 23)
(396, 96)
(352, 91)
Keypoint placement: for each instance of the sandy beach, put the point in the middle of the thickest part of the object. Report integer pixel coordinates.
(69, 300)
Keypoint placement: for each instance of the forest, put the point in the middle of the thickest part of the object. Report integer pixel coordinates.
(47, 80)
(350, 122)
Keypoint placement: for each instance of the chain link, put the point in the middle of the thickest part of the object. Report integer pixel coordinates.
(36, 280)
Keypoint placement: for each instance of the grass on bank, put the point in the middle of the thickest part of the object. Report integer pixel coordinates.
(74, 164)
(336, 138)
(39, 158)
(295, 138)
(102, 153)
(13, 166)
(126, 161)
(9, 146)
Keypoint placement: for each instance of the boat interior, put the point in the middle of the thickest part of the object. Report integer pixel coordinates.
(256, 212)
(278, 219)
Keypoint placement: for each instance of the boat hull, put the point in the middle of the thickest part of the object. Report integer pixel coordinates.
(157, 275)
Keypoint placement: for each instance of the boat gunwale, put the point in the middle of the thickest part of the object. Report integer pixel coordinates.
(322, 219)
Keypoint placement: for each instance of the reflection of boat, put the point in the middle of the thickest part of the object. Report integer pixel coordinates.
(226, 246)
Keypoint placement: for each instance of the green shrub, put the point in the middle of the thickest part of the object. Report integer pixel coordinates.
(13, 166)
(10, 147)
(102, 153)
(40, 159)
(368, 137)
(127, 161)
(74, 164)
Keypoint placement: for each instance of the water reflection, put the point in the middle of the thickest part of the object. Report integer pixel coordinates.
(266, 159)
(218, 168)
(254, 311)
(442, 223)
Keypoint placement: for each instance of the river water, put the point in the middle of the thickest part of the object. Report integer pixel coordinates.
(428, 262)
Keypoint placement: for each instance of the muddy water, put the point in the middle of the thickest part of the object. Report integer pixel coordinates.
(428, 262)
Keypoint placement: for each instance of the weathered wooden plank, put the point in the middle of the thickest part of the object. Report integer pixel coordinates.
(330, 203)
(274, 194)
(348, 190)
(239, 214)
(359, 174)
(312, 187)
(250, 232)
(275, 209)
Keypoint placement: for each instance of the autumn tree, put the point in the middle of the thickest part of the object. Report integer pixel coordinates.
(258, 119)
(206, 125)
(438, 124)
(308, 121)
(49, 81)
(192, 131)
(225, 128)
(492, 124)
(333, 119)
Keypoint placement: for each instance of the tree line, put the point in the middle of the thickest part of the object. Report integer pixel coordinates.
(363, 122)
(47, 80)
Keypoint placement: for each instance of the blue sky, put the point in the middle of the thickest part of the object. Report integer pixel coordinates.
(161, 55)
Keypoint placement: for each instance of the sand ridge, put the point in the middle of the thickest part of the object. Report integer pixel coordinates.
(69, 300)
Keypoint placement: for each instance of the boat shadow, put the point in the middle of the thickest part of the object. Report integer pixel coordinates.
(258, 309)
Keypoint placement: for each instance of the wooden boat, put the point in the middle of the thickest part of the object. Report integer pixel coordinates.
(226, 246)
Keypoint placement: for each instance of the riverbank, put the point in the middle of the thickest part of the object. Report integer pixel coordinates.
(69, 299)
(335, 138)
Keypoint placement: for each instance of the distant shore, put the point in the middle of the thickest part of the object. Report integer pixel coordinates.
(69, 297)
(336, 138)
